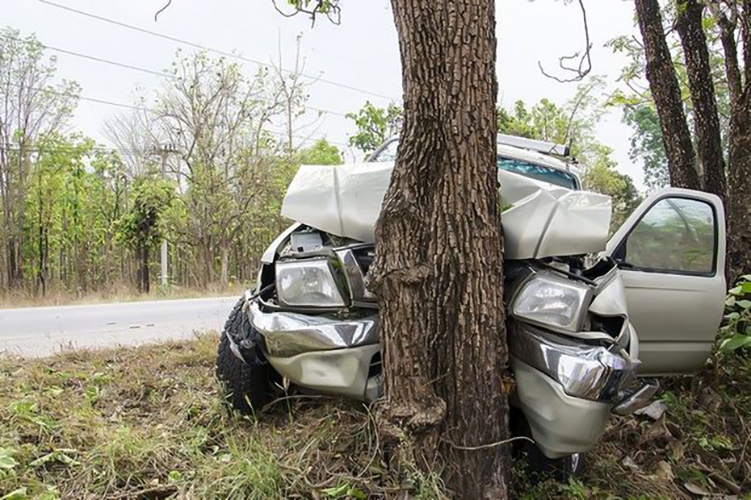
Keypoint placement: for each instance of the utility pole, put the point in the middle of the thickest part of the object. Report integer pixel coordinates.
(163, 152)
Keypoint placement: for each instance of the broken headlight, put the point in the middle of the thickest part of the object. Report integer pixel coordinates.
(307, 283)
(553, 301)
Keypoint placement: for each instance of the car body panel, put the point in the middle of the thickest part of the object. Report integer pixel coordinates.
(543, 220)
(561, 425)
(675, 312)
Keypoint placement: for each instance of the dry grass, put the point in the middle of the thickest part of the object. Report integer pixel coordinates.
(116, 294)
(149, 423)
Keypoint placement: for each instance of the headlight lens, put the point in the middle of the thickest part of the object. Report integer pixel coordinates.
(307, 283)
(552, 301)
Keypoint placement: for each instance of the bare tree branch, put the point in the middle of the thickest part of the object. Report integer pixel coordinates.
(169, 2)
(585, 59)
(330, 8)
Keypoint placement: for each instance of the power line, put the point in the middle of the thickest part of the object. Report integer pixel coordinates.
(140, 108)
(145, 70)
(210, 49)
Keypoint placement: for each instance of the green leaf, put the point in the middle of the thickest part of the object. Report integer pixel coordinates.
(736, 342)
(6, 459)
(19, 494)
(337, 491)
(357, 493)
(175, 476)
(56, 456)
(743, 304)
(733, 315)
(746, 288)
(730, 302)
(735, 290)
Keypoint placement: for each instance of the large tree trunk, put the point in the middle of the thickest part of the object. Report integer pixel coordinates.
(709, 141)
(438, 269)
(738, 205)
(739, 194)
(666, 92)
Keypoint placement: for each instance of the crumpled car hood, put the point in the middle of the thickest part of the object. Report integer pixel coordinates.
(543, 221)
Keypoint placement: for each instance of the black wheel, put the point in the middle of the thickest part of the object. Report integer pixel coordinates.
(247, 386)
(540, 467)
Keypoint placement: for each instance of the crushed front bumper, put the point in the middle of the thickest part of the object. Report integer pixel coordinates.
(288, 334)
(566, 388)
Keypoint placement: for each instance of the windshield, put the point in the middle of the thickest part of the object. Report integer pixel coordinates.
(538, 172)
(521, 167)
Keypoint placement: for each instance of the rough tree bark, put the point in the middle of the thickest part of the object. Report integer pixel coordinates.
(701, 85)
(438, 269)
(666, 92)
(738, 206)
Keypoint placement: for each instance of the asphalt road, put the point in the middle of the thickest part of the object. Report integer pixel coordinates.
(41, 331)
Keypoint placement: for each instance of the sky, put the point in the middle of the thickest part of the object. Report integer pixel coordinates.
(361, 53)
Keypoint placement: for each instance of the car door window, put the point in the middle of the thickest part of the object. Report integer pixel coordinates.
(676, 235)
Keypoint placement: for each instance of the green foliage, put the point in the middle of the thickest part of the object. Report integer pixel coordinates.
(374, 126)
(638, 105)
(572, 124)
(602, 177)
(321, 153)
(143, 225)
(646, 143)
(736, 329)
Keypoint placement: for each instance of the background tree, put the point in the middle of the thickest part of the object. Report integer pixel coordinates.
(734, 21)
(712, 87)
(667, 97)
(214, 119)
(375, 125)
(31, 106)
(320, 153)
(689, 25)
(142, 227)
(602, 177)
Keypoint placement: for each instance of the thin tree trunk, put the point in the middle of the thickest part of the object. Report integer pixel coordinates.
(666, 92)
(438, 269)
(225, 266)
(709, 140)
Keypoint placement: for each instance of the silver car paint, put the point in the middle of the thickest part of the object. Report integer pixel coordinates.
(561, 425)
(341, 371)
(543, 221)
(675, 315)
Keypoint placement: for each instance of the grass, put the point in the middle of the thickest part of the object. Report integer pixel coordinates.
(148, 423)
(116, 294)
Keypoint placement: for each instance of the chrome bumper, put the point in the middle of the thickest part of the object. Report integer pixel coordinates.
(288, 334)
(588, 372)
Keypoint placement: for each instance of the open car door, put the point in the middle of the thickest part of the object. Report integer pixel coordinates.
(671, 253)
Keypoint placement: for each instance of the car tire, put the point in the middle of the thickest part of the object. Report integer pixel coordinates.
(247, 386)
(540, 467)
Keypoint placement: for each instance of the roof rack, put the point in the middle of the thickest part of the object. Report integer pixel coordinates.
(547, 148)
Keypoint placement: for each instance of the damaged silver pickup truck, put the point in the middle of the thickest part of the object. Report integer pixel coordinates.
(589, 317)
